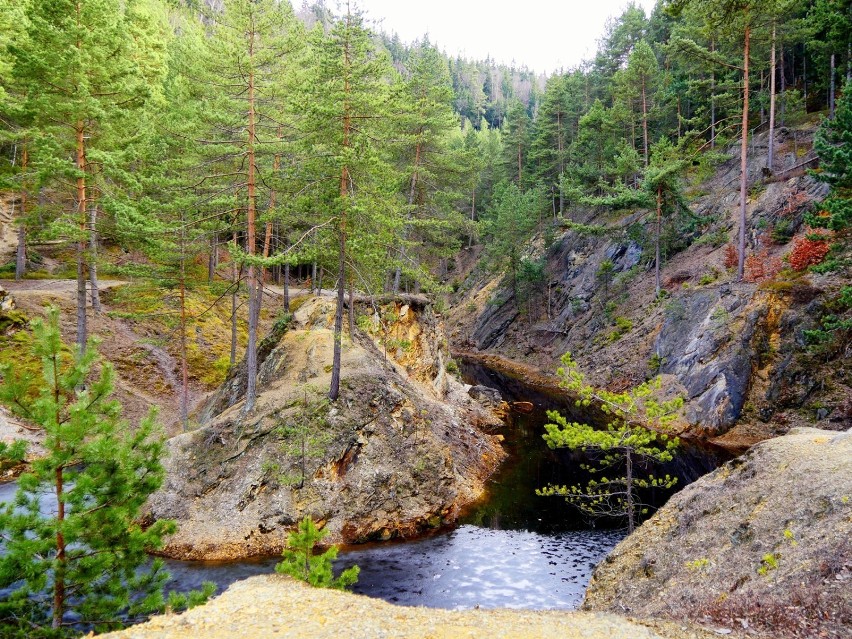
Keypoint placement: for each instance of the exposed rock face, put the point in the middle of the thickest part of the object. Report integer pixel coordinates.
(737, 348)
(764, 542)
(275, 606)
(391, 457)
(706, 344)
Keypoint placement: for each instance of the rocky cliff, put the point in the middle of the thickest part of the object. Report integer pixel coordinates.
(740, 351)
(401, 450)
(762, 544)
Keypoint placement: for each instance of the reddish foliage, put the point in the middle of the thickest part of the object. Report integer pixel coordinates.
(731, 256)
(809, 250)
(760, 266)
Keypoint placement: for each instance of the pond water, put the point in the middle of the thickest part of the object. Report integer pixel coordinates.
(513, 549)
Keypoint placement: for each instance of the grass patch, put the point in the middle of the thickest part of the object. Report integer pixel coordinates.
(154, 311)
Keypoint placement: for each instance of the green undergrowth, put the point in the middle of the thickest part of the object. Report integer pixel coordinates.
(153, 310)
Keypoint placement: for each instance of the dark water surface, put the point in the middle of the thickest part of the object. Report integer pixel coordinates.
(513, 549)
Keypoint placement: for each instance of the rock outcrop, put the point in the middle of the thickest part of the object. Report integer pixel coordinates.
(402, 449)
(276, 607)
(739, 350)
(763, 543)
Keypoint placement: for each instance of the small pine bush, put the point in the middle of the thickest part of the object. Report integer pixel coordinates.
(300, 561)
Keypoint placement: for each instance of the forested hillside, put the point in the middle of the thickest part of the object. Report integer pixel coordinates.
(267, 144)
(293, 232)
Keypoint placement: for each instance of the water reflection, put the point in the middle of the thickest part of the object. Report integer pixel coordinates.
(479, 567)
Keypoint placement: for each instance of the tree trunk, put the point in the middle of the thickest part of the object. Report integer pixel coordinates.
(59, 570)
(21, 252)
(334, 390)
(286, 284)
(831, 90)
(782, 92)
(253, 294)
(472, 217)
(213, 260)
(743, 159)
(93, 258)
(657, 287)
(713, 100)
(351, 306)
(184, 391)
(631, 514)
(771, 157)
(644, 122)
(81, 243)
(235, 283)
(561, 150)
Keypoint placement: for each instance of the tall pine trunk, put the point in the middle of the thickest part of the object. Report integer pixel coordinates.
(657, 287)
(21, 251)
(81, 242)
(93, 258)
(235, 283)
(253, 293)
(713, 100)
(184, 369)
(631, 508)
(334, 390)
(770, 161)
(644, 121)
(743, 159)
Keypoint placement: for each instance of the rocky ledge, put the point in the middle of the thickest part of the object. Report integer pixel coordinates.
(276, 607)
(402, 449)
(762, 546)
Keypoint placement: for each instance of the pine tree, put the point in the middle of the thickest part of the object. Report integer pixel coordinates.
(638, 81)
(348, 138)
(636, 435)
(303, 563)
(661, 184)
(833, 144)
(514, 216)
(431, 169)
(80, 72)
(247, 61)
(517, 136)
(85, 561)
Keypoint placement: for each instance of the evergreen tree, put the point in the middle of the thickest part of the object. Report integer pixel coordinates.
(430, 167)
(248, 59)
(80, 72)
(348, 137)
(517, 136)
(509, 225)
(84, 560)
(638, 81)
(636, 435)
(662, 185)
(833, 144)
(303, 563)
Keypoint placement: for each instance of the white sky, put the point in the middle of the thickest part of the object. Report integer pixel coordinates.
(543, 35)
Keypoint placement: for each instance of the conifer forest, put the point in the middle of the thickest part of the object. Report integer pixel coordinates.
(275, 280)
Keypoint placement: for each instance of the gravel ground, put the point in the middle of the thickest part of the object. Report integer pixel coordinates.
(274, 606)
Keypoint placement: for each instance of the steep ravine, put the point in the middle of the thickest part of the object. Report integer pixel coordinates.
(736, 351)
